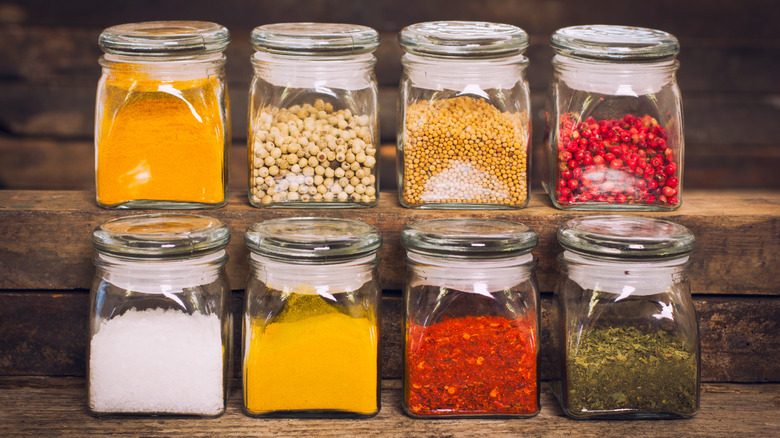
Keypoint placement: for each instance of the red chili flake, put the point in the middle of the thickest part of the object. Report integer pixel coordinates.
(621, 157)
(475, 365)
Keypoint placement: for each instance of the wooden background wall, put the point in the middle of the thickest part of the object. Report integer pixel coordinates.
(729, 75)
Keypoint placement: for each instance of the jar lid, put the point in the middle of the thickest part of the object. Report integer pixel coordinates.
(165, 38)
(468, 238)
(161, 236)
(615, 43)
(313, 240)
(314, 38)
(625, 237)
(463, 38)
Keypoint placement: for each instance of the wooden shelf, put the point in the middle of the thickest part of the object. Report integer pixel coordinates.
(46, 265)
(57, 407)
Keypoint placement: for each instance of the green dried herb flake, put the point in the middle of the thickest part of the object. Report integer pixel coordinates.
(625, 369)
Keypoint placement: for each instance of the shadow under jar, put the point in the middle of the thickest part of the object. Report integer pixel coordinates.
(160, 319)
(312, 319)
(463, 126)
(614, 135)
(162, 124)
(472, 319)
(313, 127)
(625, 331)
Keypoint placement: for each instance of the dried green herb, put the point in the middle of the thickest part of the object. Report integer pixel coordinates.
(626, 369)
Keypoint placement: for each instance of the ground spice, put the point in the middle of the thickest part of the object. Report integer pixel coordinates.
(472, 365)
(464, 150)
(160, 140)
(312, 357)
(626, 369)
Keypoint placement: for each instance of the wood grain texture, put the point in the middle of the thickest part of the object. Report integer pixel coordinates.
(44, 334)
(45, 237)
(57, 407)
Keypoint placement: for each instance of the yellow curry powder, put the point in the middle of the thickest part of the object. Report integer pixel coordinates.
(305, 361)
(160, 140)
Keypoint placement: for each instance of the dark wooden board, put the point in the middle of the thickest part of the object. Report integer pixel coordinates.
(45, 237)
(45, 334)
(57, 407)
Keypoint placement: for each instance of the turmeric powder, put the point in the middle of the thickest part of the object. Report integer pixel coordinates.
(161, 143)
(311, 357)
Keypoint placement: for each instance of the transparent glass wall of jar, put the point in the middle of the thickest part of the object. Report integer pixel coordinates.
(162, 125)
(312, 319)
(625, 330)
(160, 322)
(313, 125)
(463, 125)
(472, 319)
(614, 136)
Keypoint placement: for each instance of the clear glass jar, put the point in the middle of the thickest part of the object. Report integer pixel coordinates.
(162, 123)
(463, 129)
(614, 136)
(313, 125)
(311, 321)
(625, 329)
(472, 319)
(160, 319)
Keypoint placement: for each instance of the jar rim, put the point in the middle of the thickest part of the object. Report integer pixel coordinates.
(468, 238)
(161, 236)
(313, 240)
(614, 43)
(164, 38)
(626, 237)
(324, 39)
(456, 39)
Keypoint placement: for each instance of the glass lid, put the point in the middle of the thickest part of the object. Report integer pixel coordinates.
(313, 240)
(468, 238)
(615, 43)
(165, 38)
(463, 38)
(158, 236)
(625, 237)
(314, 38)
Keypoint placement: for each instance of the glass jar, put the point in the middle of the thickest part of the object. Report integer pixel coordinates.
(463, 129)
(625, 329)
(162, 126)
(313, 126)
(472, 319)
(614, 137)
(160, 319)
(311, 321)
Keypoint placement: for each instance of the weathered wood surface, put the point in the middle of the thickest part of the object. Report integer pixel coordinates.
(739, 340)
(45, 237)
(57, 407)
(49, 71)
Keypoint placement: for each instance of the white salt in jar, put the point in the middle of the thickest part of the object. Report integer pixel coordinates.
(160, 324)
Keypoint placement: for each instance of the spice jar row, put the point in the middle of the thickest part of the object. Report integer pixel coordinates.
(614, 117)
(625, 331)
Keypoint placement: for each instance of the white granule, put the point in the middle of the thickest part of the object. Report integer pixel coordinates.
(157, 361)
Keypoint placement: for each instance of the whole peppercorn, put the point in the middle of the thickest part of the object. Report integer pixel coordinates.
(627, 161)
(464, 150)
(305, 147)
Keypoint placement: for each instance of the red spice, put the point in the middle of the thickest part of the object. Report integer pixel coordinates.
(619, 158)
(475, 365)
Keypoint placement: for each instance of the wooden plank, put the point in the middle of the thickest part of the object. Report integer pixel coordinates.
(693, 18)
(57, 407)
(738, 336)
(67, 55)
(737, 249)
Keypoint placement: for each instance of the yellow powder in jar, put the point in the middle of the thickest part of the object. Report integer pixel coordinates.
(322, 362)
(160, 140)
